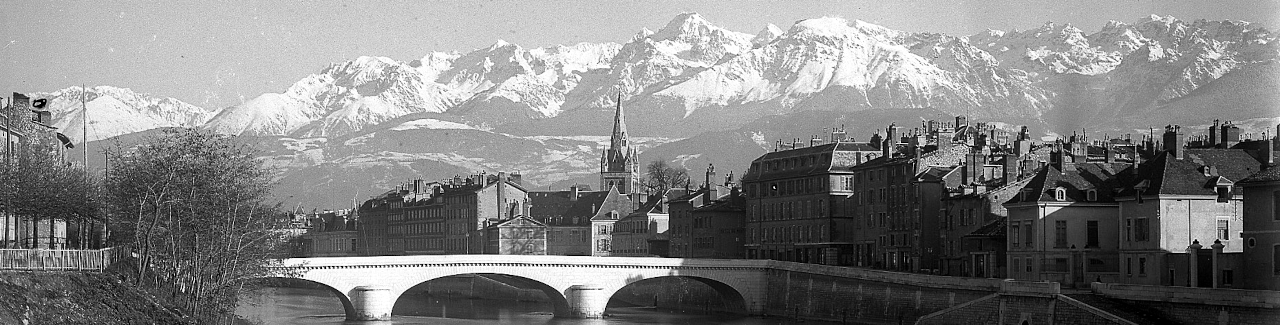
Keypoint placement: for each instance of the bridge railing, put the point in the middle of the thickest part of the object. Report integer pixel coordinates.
(62, 259)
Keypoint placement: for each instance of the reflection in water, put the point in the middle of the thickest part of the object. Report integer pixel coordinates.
(315, 306)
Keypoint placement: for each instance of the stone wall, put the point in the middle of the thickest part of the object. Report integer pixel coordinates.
(1200, 305)
(806, 291)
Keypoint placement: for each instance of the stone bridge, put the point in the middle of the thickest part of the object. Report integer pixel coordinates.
(578, 286)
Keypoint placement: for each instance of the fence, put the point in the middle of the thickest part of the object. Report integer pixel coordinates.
(60, 259)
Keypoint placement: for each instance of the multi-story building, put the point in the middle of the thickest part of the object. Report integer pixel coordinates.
(974, 231)
(568, 216)
(717, 228)
(681, 208)
(448, 217)
(24, 127)
(897, 199)
(1062, 222)
(642, 232)
(519, 236)
(1261, 226)
(1180, 197)
(797, 201)
(331, 234)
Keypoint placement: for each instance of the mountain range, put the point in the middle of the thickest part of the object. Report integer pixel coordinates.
(695, 94)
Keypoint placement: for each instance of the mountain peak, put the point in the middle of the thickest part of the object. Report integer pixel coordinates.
(767, 35)
(827, 26)
(689, 23)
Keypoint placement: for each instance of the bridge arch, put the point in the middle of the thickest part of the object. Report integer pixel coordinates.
(731, 297)
(556, 297)
(348, 308)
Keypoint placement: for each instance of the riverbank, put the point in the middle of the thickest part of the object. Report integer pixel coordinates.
(77, 298)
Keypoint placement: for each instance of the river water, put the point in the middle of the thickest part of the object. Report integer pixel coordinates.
(317, 306)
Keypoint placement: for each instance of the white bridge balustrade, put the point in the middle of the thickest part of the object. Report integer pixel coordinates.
(578, 286)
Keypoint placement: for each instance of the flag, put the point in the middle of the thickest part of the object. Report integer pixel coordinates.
(65, 140)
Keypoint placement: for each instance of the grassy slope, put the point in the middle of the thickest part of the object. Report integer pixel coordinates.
(76, 298)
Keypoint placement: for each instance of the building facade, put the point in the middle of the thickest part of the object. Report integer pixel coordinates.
(797, 201)
(1062, 222)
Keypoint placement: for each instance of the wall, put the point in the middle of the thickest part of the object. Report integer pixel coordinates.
(1200, 305)
(862, 295)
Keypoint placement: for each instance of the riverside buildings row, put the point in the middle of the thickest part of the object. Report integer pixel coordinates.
(952, 198)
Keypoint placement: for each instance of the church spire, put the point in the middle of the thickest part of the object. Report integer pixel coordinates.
(618, 141)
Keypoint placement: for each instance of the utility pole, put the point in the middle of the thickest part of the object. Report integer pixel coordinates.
(8, 154)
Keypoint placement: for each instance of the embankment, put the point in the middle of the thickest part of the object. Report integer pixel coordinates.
(77, 298)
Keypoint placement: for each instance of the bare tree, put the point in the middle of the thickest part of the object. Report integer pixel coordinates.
(660, 177)
(194, 204)
(40, 186)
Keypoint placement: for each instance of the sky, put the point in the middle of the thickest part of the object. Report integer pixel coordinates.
(220, 53)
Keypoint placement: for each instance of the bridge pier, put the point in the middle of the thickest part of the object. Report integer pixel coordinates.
(371, 303)
(586, 301)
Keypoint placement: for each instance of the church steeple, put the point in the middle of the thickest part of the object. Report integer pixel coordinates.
(618, 163)
(618, 141)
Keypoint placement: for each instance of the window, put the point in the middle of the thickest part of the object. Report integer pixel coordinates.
(1140, 231)
(1128, 229)
(1026, 233)
(1142, 266)
(1128, 266)
(1092, 241)
(1224, 193)
(1275, 260)
(1029, 261)
(1017, 264)
(1223, 229)
(1228, 278)
(1060, 234)
(1013, 229)
(1060, 194)
(1275, 210)
(1092, 195)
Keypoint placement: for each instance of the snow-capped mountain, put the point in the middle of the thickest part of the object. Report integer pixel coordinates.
(691, 76)
(709, 95)
(116, 111)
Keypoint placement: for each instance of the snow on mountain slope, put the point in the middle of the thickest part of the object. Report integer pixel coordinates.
(691, 75)
(115, 111)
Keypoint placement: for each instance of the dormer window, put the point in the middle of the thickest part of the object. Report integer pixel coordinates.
(1224, 193)
(1091, 195)
(1060, 194)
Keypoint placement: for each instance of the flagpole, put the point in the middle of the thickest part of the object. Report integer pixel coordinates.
(84, 130)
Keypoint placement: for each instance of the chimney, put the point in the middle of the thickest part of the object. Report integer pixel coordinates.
(1230, 135)
(728, 179)
(502, 196)
(573, 193)
(1267, 155)
(795, 143)
(1060, 158)
(1174, 141)
(877, 142)
(1213, 134)
(838, 135)
(1010, 168)
(890, 140)
(1110, 152)
(815, 141)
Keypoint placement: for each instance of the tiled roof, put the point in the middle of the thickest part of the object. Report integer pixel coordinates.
(1270, 174)
(726, 204)
(995, 228)
(1077, 181)
(836, 161)
(1168, 175)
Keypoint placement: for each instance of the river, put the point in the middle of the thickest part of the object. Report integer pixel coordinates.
(317, 306)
